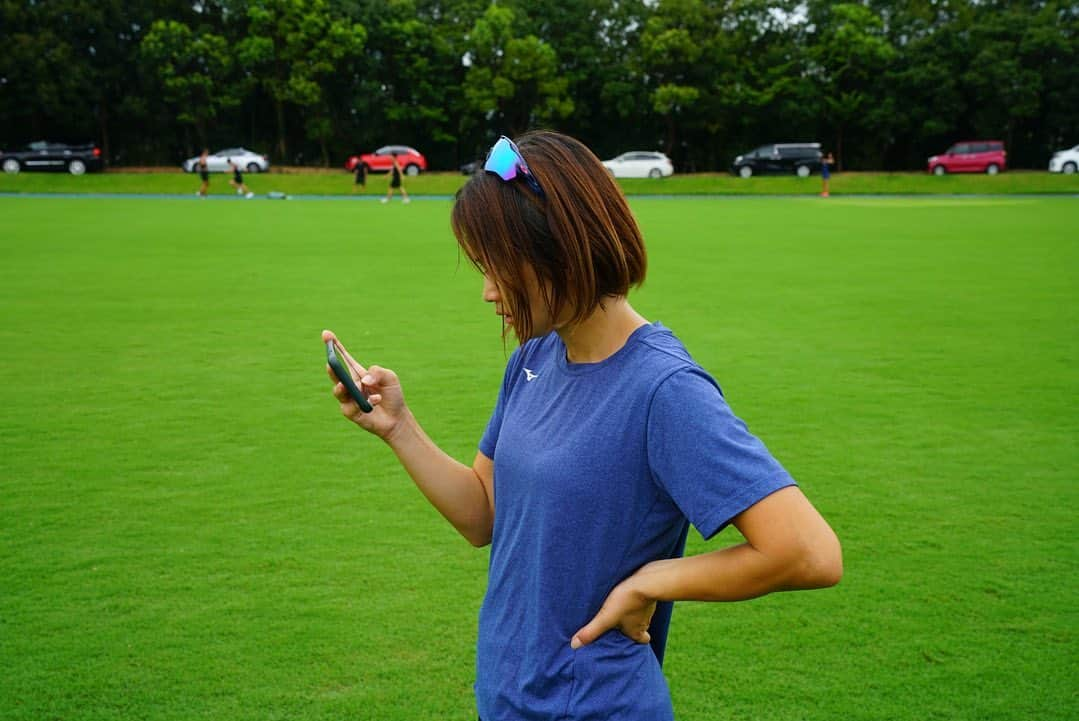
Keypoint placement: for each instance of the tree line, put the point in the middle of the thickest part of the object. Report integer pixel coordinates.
(880, 83)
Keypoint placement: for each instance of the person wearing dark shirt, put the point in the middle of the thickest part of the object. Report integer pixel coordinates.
(395, 183)
(203, 166)
(238, 181)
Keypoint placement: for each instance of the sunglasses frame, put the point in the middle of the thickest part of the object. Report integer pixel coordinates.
(518, 169)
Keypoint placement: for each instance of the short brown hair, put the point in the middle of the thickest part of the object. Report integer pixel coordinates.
(581, 240)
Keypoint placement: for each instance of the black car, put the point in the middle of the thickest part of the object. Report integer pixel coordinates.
(802, 159)
(43, 155)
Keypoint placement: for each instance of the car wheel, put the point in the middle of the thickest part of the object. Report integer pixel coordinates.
(76, 167)
(1068, 168)
(655, 173)
(11, 166)
(412, 169)
(745, 171)
(802, 171)
(939, 170)
(253, 168)
(992, 169)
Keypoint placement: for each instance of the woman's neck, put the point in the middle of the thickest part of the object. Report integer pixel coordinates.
(602, 334)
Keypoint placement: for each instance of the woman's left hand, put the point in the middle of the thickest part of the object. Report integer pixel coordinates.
(626, 608)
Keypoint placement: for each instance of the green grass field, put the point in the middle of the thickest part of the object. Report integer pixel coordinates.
(189, 529)
(311, 181)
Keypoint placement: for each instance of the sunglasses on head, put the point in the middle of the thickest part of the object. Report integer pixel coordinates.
(505, 160)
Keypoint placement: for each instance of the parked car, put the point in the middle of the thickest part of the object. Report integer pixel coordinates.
(43, 155)
(1065, 161)
(802, 159)
(245, 159)
(640, 164)
(971, 156)
(411, 160)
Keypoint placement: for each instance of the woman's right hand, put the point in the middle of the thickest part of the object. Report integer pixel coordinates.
(382, 389)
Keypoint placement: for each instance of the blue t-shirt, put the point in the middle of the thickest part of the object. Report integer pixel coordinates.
(599, 468)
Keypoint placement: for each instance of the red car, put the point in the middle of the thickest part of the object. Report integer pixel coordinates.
(411, 160)
(971, 156)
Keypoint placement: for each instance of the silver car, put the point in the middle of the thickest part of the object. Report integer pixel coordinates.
(639, 164)
(1065, 161)
(219, 161)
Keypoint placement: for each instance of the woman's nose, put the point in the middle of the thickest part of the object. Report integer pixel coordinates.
(490, 290)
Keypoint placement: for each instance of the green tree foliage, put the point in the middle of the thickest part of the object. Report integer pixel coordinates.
(849, 54)
(881, 83)
(675, 48)
(40, 76)
(512, 78)
(190, 67)
(596, 43)
(419, 72)
(290, 47)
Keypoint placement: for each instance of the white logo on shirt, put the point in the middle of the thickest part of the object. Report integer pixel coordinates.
(530, 376)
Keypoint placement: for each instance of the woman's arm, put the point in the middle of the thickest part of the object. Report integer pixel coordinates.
(462, 494)
(789, 546)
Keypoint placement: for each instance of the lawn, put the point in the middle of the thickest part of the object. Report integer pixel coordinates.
(189, 530)
(336, 182)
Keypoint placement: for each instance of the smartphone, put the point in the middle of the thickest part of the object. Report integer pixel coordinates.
(335, 356)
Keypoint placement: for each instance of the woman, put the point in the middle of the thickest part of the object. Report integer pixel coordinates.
(825, 173)
(606, 442)
(395, 182)
(203, 165)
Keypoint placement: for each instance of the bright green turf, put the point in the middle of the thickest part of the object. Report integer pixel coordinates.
(338, 182)
(188, 529)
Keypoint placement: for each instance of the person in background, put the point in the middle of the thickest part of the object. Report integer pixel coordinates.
(395, 182)
(360, 172)
(238, 181)
(825, 173)
(203, 166)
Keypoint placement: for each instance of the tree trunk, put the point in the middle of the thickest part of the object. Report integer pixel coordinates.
(282, 147)
(325, 153)
(103, 132)
(672, 134)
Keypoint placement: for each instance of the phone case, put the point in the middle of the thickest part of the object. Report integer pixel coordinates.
(340, 369)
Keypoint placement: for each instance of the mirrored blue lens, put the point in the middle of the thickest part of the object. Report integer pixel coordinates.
(503, 159)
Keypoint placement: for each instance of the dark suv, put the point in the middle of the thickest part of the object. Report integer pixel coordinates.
(43, 155)
(802, 159)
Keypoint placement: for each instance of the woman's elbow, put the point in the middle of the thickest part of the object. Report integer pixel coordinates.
(478, 534)
(479, 540)
(822, 563)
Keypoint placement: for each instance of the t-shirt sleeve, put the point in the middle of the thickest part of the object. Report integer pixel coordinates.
(494, 425)
(704, 456)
